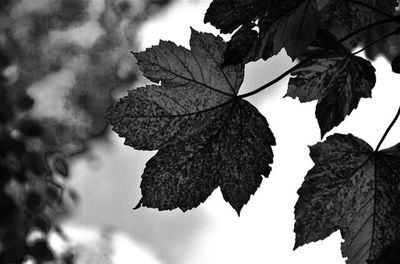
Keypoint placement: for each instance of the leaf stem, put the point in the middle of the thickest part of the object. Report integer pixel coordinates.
(387, 130)
(372, 8)
(394, 32)
(301, 63)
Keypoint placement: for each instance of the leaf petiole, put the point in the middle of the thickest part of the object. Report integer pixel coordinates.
(387, 130)
(372, 8)
(301, 63)
(394, 32)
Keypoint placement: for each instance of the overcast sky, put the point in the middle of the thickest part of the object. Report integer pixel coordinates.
(213, 233)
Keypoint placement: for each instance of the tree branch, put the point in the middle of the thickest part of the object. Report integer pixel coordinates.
(373, 8)
(394, 32)
(387, 130)
(301, 63)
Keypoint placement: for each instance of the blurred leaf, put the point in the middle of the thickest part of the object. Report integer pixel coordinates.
(53, 194)
(24, 102)
(33, 201)
(36, 163)
(7, 207)
(29, 127)
(61, 166)
(5, 175)
(43, 223)
(4, 61)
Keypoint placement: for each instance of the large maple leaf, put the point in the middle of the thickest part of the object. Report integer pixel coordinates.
(336, 78)
(354, 189)
(206, 136)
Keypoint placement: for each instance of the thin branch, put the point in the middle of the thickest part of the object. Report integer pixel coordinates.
(387, 130)
(394, 32)
(372, 8)
(301, 63)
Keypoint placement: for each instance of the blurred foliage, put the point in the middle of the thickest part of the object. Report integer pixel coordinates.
(60, 60)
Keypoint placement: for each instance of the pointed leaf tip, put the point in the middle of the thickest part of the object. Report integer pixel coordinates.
(139, 205)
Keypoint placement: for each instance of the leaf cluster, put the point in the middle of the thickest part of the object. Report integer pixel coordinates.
(31, 181)
(209, 136)
(36, 142)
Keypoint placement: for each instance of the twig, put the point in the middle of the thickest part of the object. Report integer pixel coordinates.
(394, 32)
(387, 130)
(372, 8)
(301, 63)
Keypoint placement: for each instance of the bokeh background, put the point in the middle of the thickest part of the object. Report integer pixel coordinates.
(83, 65)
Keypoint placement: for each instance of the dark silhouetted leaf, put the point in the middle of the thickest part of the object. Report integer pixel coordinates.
(338, 80)
(396, 64)
(287, 24)
(228, 15)
(343, 17)
(389, 254)
(355, 190)
(206, 136)
(240, 45)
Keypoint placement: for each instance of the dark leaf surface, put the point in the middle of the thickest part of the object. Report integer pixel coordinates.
(338, 80)
(206, 136)
(293, 24)
(293, 29)
(353, 189)
(228, 15)
(396, 65)
(344, 17)
(282, 24)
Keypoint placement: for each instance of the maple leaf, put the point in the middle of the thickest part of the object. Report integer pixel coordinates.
(286, 24)
(206, 135)
(336, 78)
(354, 189)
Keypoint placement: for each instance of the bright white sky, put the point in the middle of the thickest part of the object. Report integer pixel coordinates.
(215, 235)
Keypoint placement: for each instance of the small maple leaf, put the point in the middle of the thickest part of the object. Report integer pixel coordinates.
(287, 24)
(336, 78)
(206, 135)
(354, 189)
